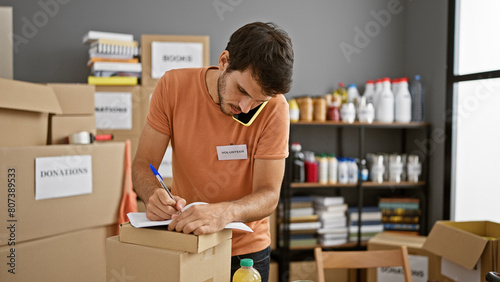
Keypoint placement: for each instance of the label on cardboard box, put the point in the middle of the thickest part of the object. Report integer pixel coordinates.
(65, 176)
(419, 271)
(173, 55)
(113, 110)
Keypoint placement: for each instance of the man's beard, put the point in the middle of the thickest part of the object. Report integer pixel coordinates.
(221, 88)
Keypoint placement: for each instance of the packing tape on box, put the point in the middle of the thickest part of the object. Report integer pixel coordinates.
(84, 137)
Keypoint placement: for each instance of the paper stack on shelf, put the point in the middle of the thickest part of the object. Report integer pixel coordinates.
(331, 212)
(401, 215)
(303, 222)
(371, 223)
(113, 58)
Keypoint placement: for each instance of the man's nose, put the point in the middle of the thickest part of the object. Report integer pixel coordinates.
(246, 104)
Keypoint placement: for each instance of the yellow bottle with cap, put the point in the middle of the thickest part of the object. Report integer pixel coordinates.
(246, 273)
(294, 110)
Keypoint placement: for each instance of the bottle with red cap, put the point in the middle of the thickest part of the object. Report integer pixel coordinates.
(341, 92)
(402, 100)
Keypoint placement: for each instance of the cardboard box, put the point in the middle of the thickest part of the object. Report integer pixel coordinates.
(118, 109)
(466, 244)
(160, 237)
(74, 256)
(425, 265)
(61, 126)
(74, 99)
(130, 262)
(24, 111)
(34, 219)
(7, 61)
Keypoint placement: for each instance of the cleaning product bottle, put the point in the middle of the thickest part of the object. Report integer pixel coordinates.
(369, 93)
(352, 94)
(384, 111)
(402, 100)
(246, 272)
(294, 110)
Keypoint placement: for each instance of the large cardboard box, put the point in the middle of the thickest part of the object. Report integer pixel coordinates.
(74, 256)
(6, 54)
(29, 218)
(118, 109)
(468, 244)
(160, 237)
(425, 265)
(62, 126)
(24, 111)
(131, 262)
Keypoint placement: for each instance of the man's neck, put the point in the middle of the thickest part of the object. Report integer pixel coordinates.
(211, 82)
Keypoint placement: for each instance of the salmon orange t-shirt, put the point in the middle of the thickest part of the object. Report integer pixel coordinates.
(182, 108)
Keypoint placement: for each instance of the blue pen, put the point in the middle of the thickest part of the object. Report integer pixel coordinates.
(160, 179)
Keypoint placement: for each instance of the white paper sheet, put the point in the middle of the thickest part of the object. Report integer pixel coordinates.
(139, 220)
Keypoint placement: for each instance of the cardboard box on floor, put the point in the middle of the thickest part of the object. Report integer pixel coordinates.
(78, 256)
(425, 265)
(34, 219)
(160, 237)
(24, 112)
(465, 246)
(141, 263)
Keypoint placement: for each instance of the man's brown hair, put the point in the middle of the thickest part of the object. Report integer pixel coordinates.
(267, 50)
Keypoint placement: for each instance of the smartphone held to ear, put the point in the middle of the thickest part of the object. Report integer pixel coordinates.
(247, 118)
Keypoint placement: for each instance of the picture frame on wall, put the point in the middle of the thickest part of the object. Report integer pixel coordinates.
(161, 53)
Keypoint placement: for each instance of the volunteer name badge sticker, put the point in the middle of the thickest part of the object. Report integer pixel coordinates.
(232, 152)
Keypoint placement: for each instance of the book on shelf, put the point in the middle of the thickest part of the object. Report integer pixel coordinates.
(306, 199)
(116, 66)
(114, 49)
(114, 80)
(334, 222)
(93, 35)
(399, 203)
(400, 212)
(115, 73)
(92, 60)
(333, 230)
(110, 56)
(327, 201)
(366, 228)
(305, 225)
(401, 226)
(298, 205)
(304, 218)
(367, 213)
(301, 212)
(400, 219)
(331, 208)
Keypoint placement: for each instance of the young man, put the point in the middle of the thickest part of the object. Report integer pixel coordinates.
(237, 169)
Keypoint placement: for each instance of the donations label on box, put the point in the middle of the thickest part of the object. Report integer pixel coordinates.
(64, 176)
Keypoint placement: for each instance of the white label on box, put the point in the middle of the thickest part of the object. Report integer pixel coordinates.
(175, 55)
(64, 176)
(165, 168)
(113, 110)
(459, 273)
(419, 270)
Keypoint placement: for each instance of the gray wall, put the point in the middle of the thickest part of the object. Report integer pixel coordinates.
(386, 37)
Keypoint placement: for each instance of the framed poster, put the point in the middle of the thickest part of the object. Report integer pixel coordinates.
(161, 53)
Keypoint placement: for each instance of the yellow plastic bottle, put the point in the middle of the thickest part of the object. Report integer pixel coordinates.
(294, 110)
(341, 92)
(246, 273)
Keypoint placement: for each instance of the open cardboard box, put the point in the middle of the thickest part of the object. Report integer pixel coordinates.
(24, 112)
(160, 237)
(467, 244)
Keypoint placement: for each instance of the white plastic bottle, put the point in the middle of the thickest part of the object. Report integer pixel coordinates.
(402, 100)
(322, 168)
(353, 171)
(332, 169)
(369, 92)
(378, 91)
(384, 111)
(343, 175)
(352, 94)
(418, 98)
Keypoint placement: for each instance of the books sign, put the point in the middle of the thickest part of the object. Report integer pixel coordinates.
(174, 55)
(419, 270)
(65, 176)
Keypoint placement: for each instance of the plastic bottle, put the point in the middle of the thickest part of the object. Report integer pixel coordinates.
(369, 92)
(298, 170)
(378, 91)
(341, 92)
(395, 85)
(418, 98)
(343, 175)
(352, 171)
(311, 167)
(402, 102)
(332, 169)
(294, 110)
(246, 272)
(348, 112)
(363, 171)
(322, 168)
(352, 94)
(384, 111)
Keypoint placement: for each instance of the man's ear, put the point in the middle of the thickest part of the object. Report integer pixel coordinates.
(224, 60)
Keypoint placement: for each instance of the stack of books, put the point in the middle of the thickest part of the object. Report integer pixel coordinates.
(401, 215)
(331, 212)
(371, 223)
(113, 58)
(303, 222)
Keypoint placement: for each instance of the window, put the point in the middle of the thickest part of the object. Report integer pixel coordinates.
(473, 99)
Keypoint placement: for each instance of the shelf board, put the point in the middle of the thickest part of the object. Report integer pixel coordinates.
(366, 184)
(374, 124)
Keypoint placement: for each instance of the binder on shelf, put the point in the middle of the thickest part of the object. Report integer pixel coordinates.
(114, 80)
